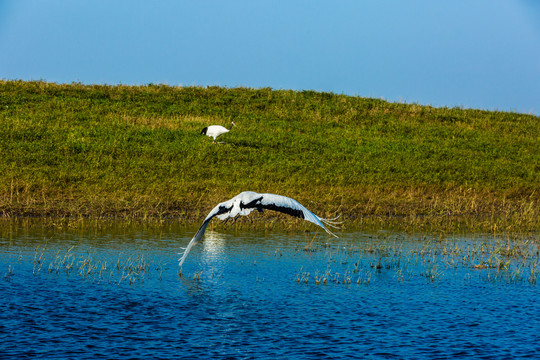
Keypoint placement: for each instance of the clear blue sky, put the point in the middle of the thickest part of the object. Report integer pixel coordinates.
(475, 54)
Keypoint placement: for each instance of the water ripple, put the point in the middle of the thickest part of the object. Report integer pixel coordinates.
(249, 303)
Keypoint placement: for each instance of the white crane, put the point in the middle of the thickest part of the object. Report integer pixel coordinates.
(215, 131)
(247, 201)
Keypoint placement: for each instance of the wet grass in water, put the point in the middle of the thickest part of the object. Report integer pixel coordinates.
(353, 259)
(508, 260)
(89, 266)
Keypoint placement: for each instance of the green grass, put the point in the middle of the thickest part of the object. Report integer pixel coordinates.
(136, 152)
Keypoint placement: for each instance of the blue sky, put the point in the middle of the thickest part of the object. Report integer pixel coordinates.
(474, 54)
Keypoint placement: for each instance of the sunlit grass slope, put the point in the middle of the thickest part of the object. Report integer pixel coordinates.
(136, 151)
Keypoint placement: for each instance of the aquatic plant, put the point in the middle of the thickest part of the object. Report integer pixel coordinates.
(130, 268)
(509, 259)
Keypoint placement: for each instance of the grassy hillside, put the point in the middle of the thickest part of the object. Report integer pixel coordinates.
(135, 152)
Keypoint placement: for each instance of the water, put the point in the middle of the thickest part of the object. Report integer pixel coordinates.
(248, 294)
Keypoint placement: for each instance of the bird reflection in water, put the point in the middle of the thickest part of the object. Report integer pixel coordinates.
(213, 246)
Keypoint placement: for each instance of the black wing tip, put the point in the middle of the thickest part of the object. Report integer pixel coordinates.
(286, 210)
(255, 203)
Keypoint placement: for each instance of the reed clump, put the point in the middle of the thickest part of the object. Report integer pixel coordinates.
(124, 269)
(501, 259)
(73, 151)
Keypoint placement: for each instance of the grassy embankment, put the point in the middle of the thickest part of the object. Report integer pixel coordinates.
(75, 151)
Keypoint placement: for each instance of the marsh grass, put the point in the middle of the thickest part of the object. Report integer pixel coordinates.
(387, 257)
(77, 153)
(506, 259)
(124, 268)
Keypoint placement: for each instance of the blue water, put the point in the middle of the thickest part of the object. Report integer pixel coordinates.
(243, 295)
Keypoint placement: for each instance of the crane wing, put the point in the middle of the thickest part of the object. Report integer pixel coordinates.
(247, 201)
(220, 210)
(291, 207)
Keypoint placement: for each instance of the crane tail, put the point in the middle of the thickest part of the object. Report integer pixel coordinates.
(329, 232)
(331, 223)
(334, 224)
(333, 220)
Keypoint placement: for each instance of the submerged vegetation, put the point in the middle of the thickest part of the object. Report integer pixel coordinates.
(507, 259)
(135, 152)
(359, 260)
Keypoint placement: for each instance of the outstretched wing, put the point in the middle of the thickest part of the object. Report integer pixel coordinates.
(291, 207)
(248, 201)
(221, 209)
